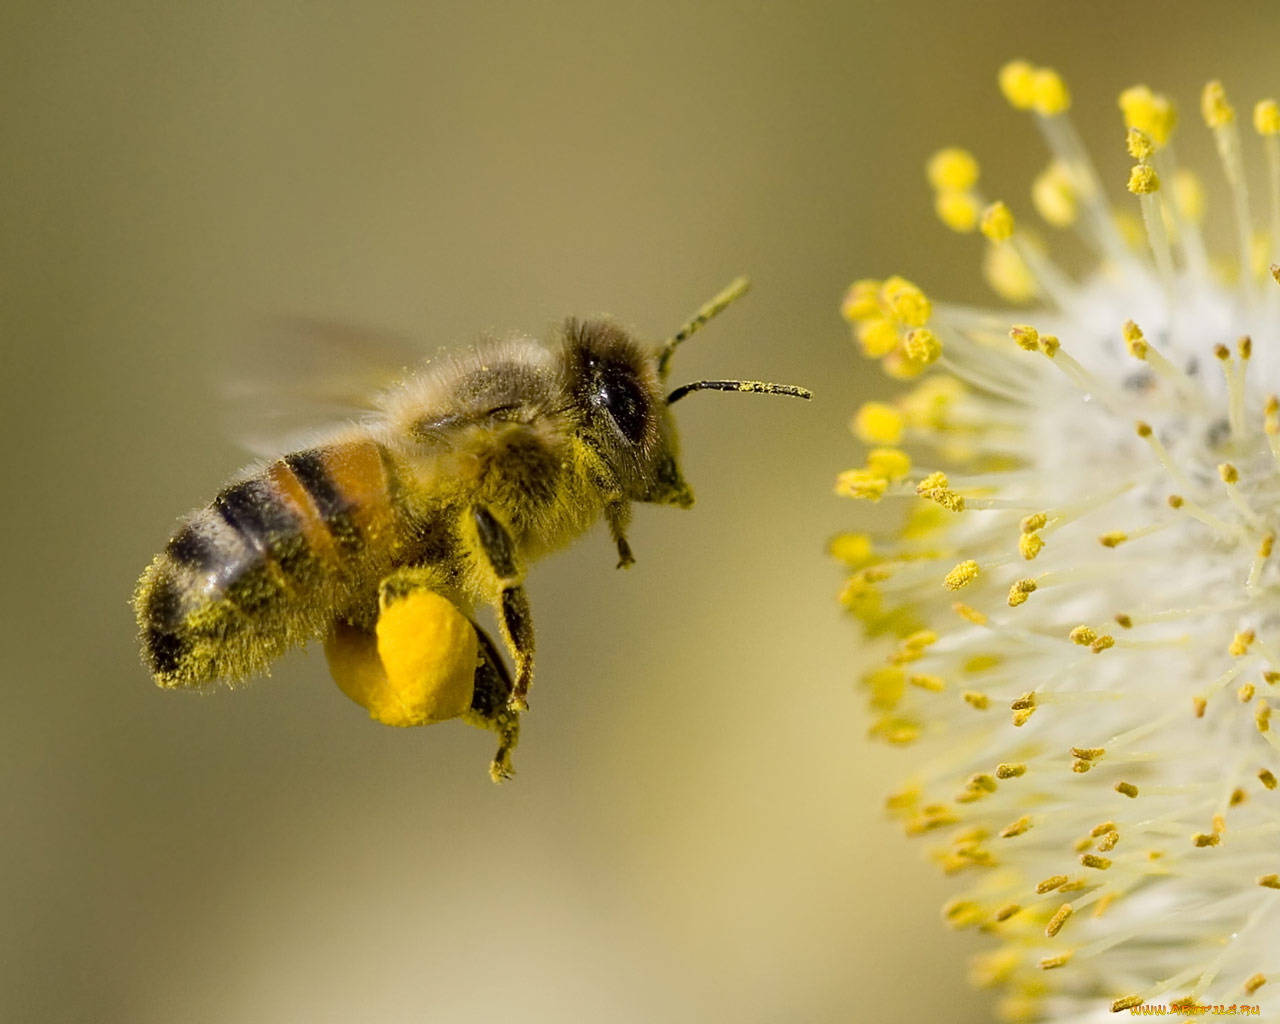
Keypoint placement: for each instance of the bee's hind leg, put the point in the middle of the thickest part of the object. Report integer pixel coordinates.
(489, 706)
(515, 615)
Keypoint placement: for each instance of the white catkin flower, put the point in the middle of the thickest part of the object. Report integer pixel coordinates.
(1079, 614)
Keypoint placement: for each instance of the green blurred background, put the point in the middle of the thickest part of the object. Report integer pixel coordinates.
(695, 833)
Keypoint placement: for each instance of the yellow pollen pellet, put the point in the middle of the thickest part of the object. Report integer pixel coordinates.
(1214, 106)
(1269, 881)
(1058, 920)
(1199, 704)
(976, 700)
(1127, 1003)
(889, 463)
(1266, 117)
(1126, 789)
(1124, 621)
(1090, 860)
(1050, 93)
(1254, 983)
(1030, 545)
(1262, 716)
(906, 302)
(1139, 144)
(878, 423)
(861, 301)
(1010, 770)
(952, 168)
(957, 210)
(1020, 591)
(1265, 776)
(962, 575)
(922, 346)
(1113, 539)
(996, 223)
(1033, 522)
(970, 613)
(1143, 180)
(1241, 643)
(1007, 911)
(1228, 473)
(1203, 839)
(1017, 83)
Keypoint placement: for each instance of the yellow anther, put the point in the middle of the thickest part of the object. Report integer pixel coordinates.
(1241, 643)
(1271, 416)
(1228, 473)
(1174, 500)
(1149, 112)
(1025, 337)
(1238, 796)
(1033, 522)
(1266, 545)
(977, 700)
(1214, 106)
(1008, 274)
(1134, 340)
(1018, 83)
(1015, 828)
(962, 575)
(1221, 352)
(1113, 539)
(1245, 693)
(1091, 754)
(1127, 1003)
(1244, 347)
(1143, 428)
(1267, 778)
(1051, 95)
(1266, 117)
(997, 222)
(1083, 636)
(1199, 705)
(1103, 643)
(1188, 195)
(889, 463)
(1030, 545)
(1126, 789)
(1007, 911)
(934, 684)
(1271, 677)
(1025, 702)
(932, 482)
(1262, 716)
(1020, 591)
(1143, 180)
(877, 336)
(1108, 842)
(1049, 345)
(1053, 194)
(1124, 621)
(1203, 839)
(1048, 963)
(952, 168)
(1091, 860)
(1103, 829)
(861, 484)
(1139, 144)
(1010, 770)
(922, 346)
(1058, 920)
(1254, 982)
(969, 613)
(861, 301)
(963, 914)
(957, 210)
(1269, 881)
(905, 302)
(1051, 883)
(853, 549)
(878, 423)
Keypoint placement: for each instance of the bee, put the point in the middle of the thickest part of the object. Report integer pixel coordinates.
(382, 539)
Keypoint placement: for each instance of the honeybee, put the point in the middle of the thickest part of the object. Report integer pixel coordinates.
(383, 538)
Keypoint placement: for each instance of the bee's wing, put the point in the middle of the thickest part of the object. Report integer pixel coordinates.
(306, 374)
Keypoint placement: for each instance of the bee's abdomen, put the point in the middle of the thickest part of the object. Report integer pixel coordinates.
(267, 564)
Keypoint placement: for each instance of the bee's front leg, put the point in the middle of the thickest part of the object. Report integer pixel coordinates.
(515, 615)
(618, 515)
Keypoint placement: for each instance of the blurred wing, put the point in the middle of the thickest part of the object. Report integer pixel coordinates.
(304, 375)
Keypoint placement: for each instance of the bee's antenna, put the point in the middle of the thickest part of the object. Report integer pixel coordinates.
(758, 387)
(735, 291)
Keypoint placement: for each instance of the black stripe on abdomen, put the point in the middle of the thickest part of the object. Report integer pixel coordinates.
(335, 511)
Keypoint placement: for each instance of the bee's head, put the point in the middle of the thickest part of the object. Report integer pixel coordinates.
(619, 385)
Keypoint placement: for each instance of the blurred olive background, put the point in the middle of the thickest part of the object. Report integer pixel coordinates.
(695, 831)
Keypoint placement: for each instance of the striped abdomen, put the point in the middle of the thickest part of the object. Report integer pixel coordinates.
(269, 564)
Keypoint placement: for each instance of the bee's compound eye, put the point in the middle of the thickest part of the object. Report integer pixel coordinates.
(620, 395)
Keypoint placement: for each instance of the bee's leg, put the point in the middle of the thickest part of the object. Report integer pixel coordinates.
(618, 514)
(489, 708)
(513, 606)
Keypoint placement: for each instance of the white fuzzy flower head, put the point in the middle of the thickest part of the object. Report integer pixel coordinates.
(1078, 617)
